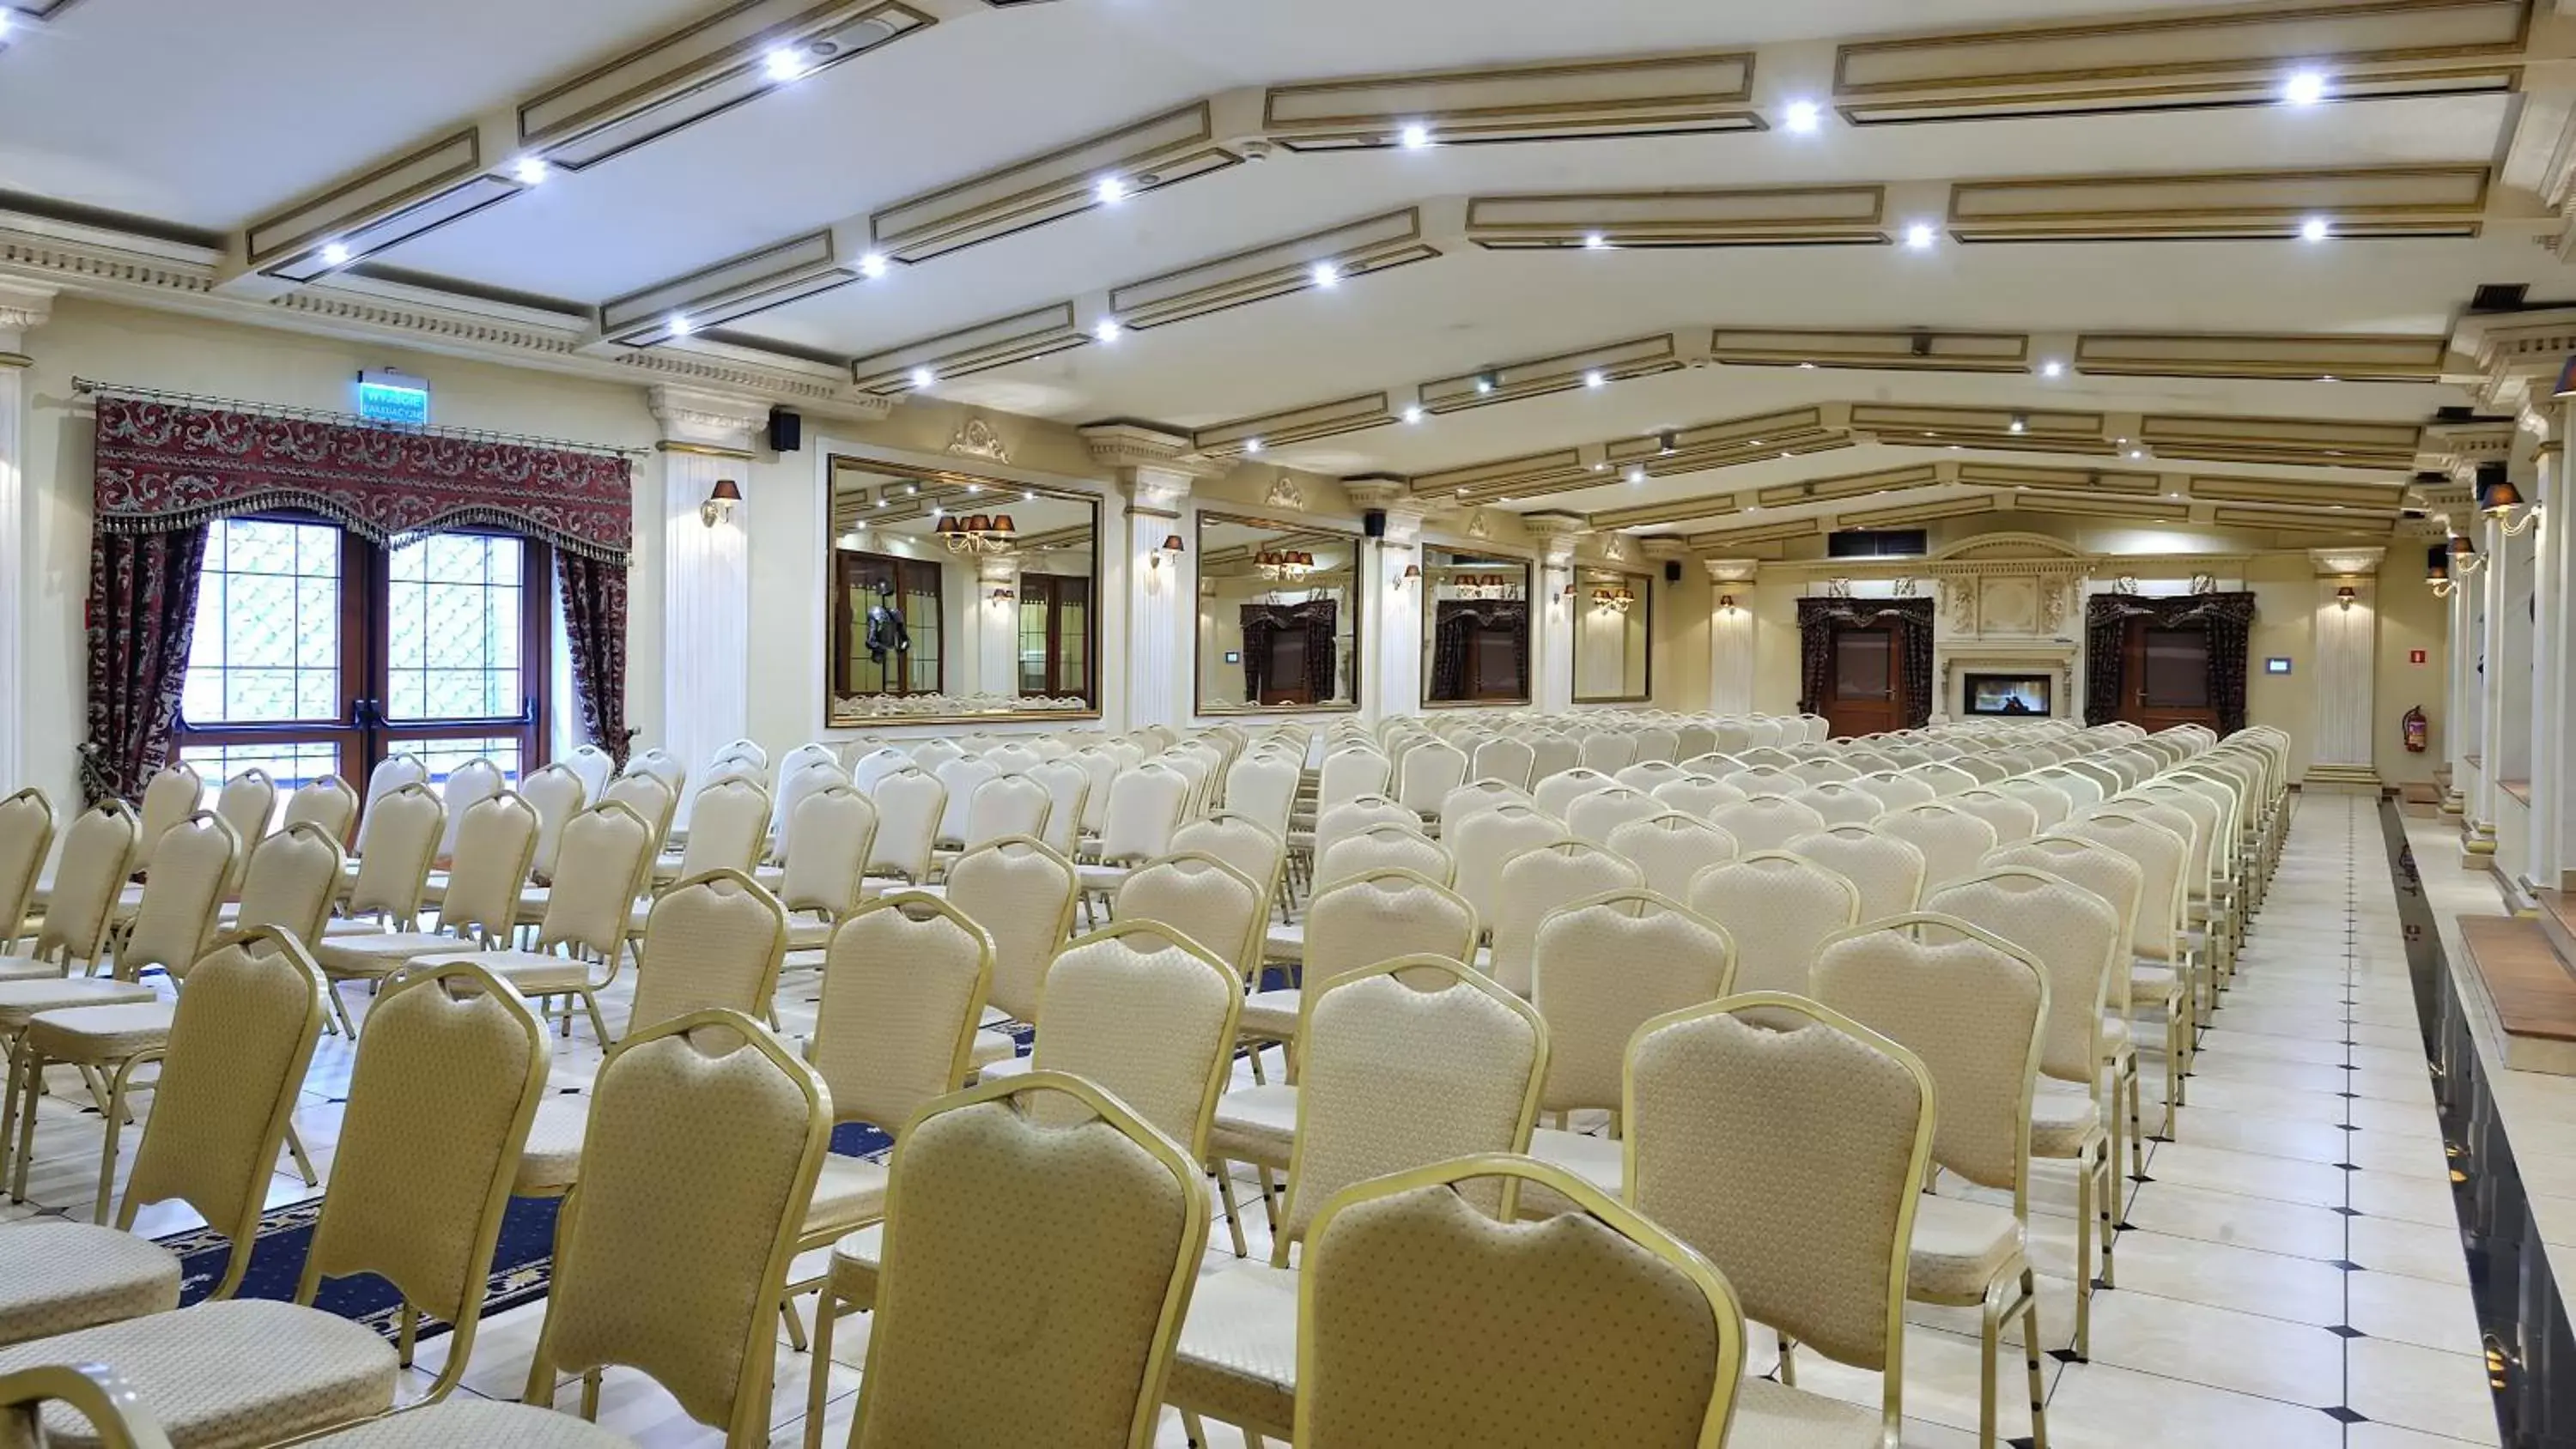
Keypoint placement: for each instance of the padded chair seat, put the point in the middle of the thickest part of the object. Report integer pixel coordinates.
(530, 971)
(551, 1162)
(1255, 1124)
(1597, 1160)
(854, 1266)
(1271, 1014)
(102, 1033)
(1776, 1416)
(533, 900)
(2063, 1117)
(1960, 1247)
(770, 877)
(384, 953)
(1237, 1358)
(228, 1375)
(1101, 877)
(22, 1000)
(63, 1277)
(807, 933)
(849, 1194)
(339, 927)
(1285, 943)
(2153, 985)
(992, 1048)
(469, 1423)
(28, 968)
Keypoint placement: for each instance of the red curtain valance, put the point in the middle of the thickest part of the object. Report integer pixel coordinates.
(162, 466)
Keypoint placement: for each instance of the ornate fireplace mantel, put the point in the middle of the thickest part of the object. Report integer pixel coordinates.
(2009, 603)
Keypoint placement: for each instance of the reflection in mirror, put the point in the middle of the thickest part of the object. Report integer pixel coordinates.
(1612, 612)
(952, 595)
(1279, 616)
(1475, 628)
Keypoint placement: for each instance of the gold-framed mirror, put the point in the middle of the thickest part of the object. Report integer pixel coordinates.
(1475, 628)
(955, 596)
(1614, 613)
(1279, 616)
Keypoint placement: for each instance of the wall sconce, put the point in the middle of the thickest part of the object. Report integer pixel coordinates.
(720, 503)
(1614, 598)
(2465, 559)
(1004, 594)
(1171, 549)
(2346, 596)
(1411, 576)
(2437, 571)
(2501, 501)
(1726, 603)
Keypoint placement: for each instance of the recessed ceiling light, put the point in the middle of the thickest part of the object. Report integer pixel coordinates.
(531, 170)
(2019, 424)
(1596, 378)
(1414, 136)
(1594, 241)
(1110, 190)
(1785, 453)
(1806, 367)
(1107, 329)
(1600, 467)
(2304, 88)
(937, 511)
(974, 487)
(335, 254)
(1920, 236)
(2136, 453)
(2052, 368)
(880, 503)
(2326, 377)
(2173, 495)
(1484, 383)
(1803, 116)
(1251, 445)
(1413, 412)
(1030, 497)
(923, 377)
(1757, 442)
(784, 63)
(2315, 229)
(1504, 499)
(1326, 274)
(1636, 475)
(872, 265)
(680, 325)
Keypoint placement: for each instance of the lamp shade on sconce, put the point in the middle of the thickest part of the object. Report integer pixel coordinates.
(2437, 563)
(2499, 497)
(2566, 379)
(2463, 547)
(2345, 596)
(1172, 544)
(721, 501)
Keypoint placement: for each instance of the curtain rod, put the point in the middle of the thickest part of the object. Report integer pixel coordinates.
(86, 386)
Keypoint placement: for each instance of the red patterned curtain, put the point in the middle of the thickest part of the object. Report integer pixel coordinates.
(165, 471)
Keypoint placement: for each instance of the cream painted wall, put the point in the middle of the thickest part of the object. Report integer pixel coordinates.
(2410, 618)
(164, 350)
(1680, 643)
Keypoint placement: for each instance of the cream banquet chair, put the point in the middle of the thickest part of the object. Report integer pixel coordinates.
(234, 1069)
(2070, 933)
(1007, 805)
(1766, 822)
(1486, 840)
(1476, 796)
(1384, 847)
(1241, 842)
(1897, 790)
(1559, 791)
(1759, 781)
(1886, 870)
(1607, 752)
(169, 797)
(875, 765)
(2049, 803)
(961, 778)
(255, 1371)
(1358, 813)
(397, 845)
(1593, 816)
(828, 841)
(1951, 839)
(1022, 895)
(80, 910)
(26, 834)
(2085, 791)
(1219, 908)
(659, 763)
(713, 941)
(1778, 909)
(1091, 1223)
(1348, 773)
(1594, 1329)
(1504, 758)
(1145, 807)
(2116, 881)
(1536, 882)
(1372, 1102)
(1973, 1010)
(1841, 803)
(1945, 778)
(556, 794)
(247, 802)
(1605, 967)
(390, 774)
(2013, 819)
(467, 785)
(1697, 795)
(607, 854)
(2162, 967)
(650, 796)
(1264, 787)
(98, 1398)
(1788, 1145)
(1658, 744)
(1068, 788)
(1824, 770)
(594, 766)
(1647, 774)
(1671, 849)
(728, 830)
(1430, 772)
(806, 778)
(909, 804)
(1552, 755)
(479, 911)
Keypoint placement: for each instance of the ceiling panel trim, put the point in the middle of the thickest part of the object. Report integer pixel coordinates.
(1851, 215)
(1279, 269)
(1893, 349)
(2339, 357)
(980, 348)
(1655, 95)
(1161, 150)
(2378, 201)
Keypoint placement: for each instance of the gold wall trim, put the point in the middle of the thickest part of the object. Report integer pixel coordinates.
(1918, 513)
(1749, 216)
(2345, 357)
(1559, 101)
(2222, 205)
(1714, 505)
(986, 345)
(1160, 150)
(1925, 350)
(2041, 429)
(2355, 521)
(1503, 474)
(2076, 505)
(704, 451)
(1373, 244)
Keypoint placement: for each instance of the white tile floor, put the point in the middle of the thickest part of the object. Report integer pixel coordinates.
(2292, 1274)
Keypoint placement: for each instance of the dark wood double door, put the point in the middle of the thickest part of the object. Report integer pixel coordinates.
(2164, 676)
(1866, 685)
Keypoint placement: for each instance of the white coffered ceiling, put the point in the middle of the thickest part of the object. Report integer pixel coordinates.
(199, 125)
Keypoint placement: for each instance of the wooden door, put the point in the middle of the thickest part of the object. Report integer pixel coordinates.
(2164, 677)
(1865, 687)
(1286, 681)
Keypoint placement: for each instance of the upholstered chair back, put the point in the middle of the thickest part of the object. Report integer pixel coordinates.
(962, 777)
(1068, 1205)
(728, 827)
(1787, 1144)
(1007, 805)
(1373, 1099)
(1148, 1017)
(1841, 803)
(397, 840)
(1022, 894)
(2012, 819)
(1888, 871)
(1778, 908)
(1220, 909)
(98, 854)
(1671, 848)
(26, 836)
(711, 941)
(1968, 1004)
(2084, 791)
(170, 796)
(476, 779)
(2050, 804)
(1145, 806)
(2100, 871)
(1559, 791)
(1349, 772)
(1896, 790)
(1359, 813)
(1477, 795)
(1985, 767)
(292, 879)
(557, 795)
(190, 871)
(801, 778)
(1380, 914)
(1239, 841)
(1537, 881)
(2162, 858)
(1766, 822)
(679, 1274)
(1950, 838)
(247, 802)
(875, 765)
(2068, 930)
(1431, 770)
(1506, 759)
(1944, 778)
(1823, 769)
(909, 803)
(1607, 751)
(1594, 815)
(827, 844)
(2196, 840)
(1657, 745)
(1694, 794)
(606, 852)
(931, 755)
(593, 767)
(494, 844)
(904, 985)
(1262, 786)
(390, 774)
(1645, 775)
(1604, 967)
(650, 796)
(1762, 756)
(2096, 769)
(1552, 755)
(324, 800)
(1068, 788)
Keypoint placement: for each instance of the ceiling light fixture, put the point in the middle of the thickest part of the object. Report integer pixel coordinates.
(1413, 412)
(680, 325)
(785, 64)
(1414, 136)
(1107, 329)
(1594, 241)
(978, 533)
(1251, 446)
(2304, 88)
(531, 170)
(923, 377)
(1327, 275)
(872, 265)
(1919, 236)
(1484, 383)
(2052, 368)
(2136, 453)
(1637, 474)
(2019, 424)
(1596, 378)
(2315, 229)
(1597, 468)
(1804, 116)
(335, 254)
(1110, 190)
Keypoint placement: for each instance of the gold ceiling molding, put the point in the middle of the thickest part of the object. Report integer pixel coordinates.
(2077, 505)
(2353, 521)
(1907, 349)
(2062, 480)
(1849, 485)
(1748, 216)
(2297, 493)
(1656, 95)
(1374, 244)
(1177, 145)
(986, 345)
(1726, 538)
(1512, 381)
(1907, 514)
(2344, 357)
(1781, 434)
(1297, 425)
(403, 198)
(735, 288)
(2029, 430)
(2375, 50)
(1715, 505)
(2298, 442)
(1502, 477)
(2378, 201)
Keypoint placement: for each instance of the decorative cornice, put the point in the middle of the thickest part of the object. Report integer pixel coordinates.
(24, 307)
(2346, 562)
(1126, 445)
(708, 419)
(2458, 448)
(1737, 571)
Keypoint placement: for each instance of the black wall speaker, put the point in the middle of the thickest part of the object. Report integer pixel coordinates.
(1672, 571)
(1373, 523)
(786, 430)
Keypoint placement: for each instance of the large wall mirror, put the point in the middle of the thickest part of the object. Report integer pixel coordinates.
(1279, 616)
(1613, 614)
(1475, 628)
(953, 596)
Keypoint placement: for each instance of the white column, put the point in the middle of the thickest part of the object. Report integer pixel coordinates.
(2551, 684)
(2347, 654)
(1553, 617)
(706, 575)
(22, 308)
(997, 624)
(1730, 634)
(2460, 707)
(1391, 682)
(1161, 608)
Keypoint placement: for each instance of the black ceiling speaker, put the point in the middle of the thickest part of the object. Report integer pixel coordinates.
(1373, 523)
(1672, 571)
(786, 430)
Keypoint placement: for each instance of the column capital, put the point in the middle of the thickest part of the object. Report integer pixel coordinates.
(1738, 571)
(2332, 563)
(2458, 448)
(1555, 534)
(1404, 510)
(694, 419)
(1664, 549)
(24, 307)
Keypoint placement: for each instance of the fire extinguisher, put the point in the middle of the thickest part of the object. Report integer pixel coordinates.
(2415, 725)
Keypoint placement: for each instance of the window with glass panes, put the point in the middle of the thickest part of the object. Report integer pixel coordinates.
(316, 652)
(1055, 635)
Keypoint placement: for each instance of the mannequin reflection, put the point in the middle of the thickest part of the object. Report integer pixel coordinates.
(885, 627)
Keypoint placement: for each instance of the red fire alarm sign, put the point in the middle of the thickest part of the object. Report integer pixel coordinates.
(2414, 656)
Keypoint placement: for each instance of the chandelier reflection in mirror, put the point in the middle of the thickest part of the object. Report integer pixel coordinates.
(1486, 586)
(1618, 598)
(1283, 567)
(977, 532)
